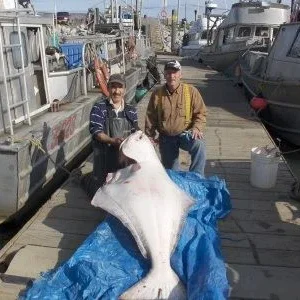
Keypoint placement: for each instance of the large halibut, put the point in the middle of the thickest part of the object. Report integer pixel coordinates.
(153, 208)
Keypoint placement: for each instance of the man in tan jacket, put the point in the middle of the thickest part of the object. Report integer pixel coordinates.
(177, 112)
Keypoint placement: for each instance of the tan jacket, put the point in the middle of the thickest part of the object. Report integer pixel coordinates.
(173, 112)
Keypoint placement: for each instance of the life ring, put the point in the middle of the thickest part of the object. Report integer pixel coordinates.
(104, 69)
(102, 76)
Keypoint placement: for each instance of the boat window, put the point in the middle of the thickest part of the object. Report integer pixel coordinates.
(228, 34)
(295, 49)
(127, 16)
(244, 31)
(16, 51)
(262, 31)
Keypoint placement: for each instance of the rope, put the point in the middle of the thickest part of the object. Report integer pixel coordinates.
(37, 144)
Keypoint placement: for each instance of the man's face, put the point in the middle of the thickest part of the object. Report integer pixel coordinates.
(116, 92)
(172, 77)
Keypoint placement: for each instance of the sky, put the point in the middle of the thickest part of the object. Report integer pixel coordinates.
(149, 7)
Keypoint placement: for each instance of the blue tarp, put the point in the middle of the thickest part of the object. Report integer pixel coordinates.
(109, 262)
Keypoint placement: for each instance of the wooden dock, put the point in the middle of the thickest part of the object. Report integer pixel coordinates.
(260, 238)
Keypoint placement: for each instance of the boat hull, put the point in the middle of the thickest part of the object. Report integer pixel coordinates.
(283, 110)
(220, 61)
(63, 135)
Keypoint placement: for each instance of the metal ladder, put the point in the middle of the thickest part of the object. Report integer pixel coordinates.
(14, 15)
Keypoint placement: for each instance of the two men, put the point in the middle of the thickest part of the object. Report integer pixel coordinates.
(111, 121)
(177, 112)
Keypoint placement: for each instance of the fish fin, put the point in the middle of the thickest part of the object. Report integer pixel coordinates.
(108, 203)
(157, 286)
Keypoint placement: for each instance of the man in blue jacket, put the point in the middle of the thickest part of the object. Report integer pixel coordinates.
(111, 121)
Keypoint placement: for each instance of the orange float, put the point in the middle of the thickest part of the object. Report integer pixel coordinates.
(258, 103)
(102, 75)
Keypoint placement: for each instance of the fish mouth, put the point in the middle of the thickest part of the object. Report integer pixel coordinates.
(123, 158)
(125, 161)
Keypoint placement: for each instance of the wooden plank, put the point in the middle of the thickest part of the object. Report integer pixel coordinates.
(252, 215)
(280, 187)
(32, 260)
(253, 205)
(9, 291)
(263, 282)
(281, 258)
(256, 194)
(275, 241)
(284, 180)
(76, 202)
(51, 239)
(67, 226)
(235, 240)
(72, 213)
(259, 227)
(238, 255)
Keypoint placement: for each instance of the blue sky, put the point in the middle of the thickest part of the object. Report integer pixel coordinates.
(150, 7)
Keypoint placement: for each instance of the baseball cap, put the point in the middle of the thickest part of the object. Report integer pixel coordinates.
(173, 64)
(118, 78)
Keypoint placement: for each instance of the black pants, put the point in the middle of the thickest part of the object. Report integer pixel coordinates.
(106, 160)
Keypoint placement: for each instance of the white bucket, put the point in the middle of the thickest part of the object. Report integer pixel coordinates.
(264, 167)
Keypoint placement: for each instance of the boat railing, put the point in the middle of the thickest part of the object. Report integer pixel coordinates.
(142, 46)
(12, 8)
(49, 86)
(119, 53)
(125, 49)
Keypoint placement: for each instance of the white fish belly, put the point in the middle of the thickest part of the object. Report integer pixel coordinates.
(153, 208)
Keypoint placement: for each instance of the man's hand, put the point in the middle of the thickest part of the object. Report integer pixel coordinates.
(116, 142)
(154, 141)
(196, 134)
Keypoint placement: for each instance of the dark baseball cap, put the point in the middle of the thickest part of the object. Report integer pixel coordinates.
(173, 64)
(116, 78)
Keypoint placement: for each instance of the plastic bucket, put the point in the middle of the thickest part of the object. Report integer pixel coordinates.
(264, 167)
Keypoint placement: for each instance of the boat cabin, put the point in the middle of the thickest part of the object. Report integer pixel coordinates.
(282, 61)
(34, 73)
(250, 24)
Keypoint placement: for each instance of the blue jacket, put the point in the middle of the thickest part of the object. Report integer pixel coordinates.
(98, 117)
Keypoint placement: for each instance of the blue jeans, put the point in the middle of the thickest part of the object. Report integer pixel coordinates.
(169, 151)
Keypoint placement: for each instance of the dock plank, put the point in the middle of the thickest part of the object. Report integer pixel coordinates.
(51, 239)
(9, 291)
(263, 282)
(37, 259)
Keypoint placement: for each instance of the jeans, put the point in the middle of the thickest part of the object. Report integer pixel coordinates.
(169, 150)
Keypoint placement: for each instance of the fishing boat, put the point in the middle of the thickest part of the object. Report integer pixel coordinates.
(250, 25)
(274, 78)
(46, 95)
(195, 38)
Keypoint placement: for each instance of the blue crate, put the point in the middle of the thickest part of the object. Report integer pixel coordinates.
(73, 54)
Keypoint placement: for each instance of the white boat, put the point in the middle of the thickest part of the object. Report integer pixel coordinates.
(250, 25)
(46, 97)
(275, 76)
(195, 38)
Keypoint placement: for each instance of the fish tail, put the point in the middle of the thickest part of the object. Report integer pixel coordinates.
(165, 285)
